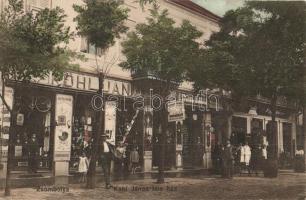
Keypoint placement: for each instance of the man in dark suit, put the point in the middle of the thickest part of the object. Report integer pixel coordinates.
(106, 156)
(33, 150)
(227, 160)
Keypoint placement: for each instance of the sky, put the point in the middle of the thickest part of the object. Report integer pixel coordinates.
(219, 7)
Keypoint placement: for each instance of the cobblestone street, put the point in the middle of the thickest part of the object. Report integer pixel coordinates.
(287, 186)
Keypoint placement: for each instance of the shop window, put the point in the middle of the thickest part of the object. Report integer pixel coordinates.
(239, 130)
(82, 129)
(33, 120)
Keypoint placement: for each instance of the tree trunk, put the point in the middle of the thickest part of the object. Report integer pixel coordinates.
(271, 168)
(274, 128)
(304, 108)
(91, 177)
(161, 167)
(164, 127)
(304, 123)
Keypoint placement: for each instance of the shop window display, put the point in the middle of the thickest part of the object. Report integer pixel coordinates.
(33, 120)
(82, 129)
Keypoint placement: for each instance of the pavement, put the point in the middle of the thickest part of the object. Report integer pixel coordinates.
(288, 185)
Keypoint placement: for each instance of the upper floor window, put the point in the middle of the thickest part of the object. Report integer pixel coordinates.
(38, 4)
(86, 47)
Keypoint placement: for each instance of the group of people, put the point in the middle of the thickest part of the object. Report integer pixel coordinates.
(107, 153)
(229, 159)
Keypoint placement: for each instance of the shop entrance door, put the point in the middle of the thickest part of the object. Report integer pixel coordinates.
(287, 139)
(170, 146)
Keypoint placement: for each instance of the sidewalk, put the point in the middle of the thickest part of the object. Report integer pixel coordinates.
(288, 185)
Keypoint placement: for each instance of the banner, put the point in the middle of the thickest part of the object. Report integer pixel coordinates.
(63, 117)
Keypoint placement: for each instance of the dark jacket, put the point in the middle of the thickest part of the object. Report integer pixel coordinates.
(33, 147)
(228, 153)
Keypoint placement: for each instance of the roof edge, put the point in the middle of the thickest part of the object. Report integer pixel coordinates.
(190, 5)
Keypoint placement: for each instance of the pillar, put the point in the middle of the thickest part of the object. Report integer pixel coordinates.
(249, 125)
(5, 124)
(62, 138)
(229, 128)
(179, 145)
(293, 136)
(207, 162)
(279, 138)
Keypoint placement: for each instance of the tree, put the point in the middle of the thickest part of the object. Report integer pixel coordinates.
(258, 50)
(164, 51)
(101, 22)
(31, 46)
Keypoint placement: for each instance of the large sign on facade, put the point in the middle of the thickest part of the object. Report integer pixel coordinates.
(63, 117)
(87, 82)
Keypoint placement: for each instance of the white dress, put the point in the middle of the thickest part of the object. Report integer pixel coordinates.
(245, 155)
(83, 165)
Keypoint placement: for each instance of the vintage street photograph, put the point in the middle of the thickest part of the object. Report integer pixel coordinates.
(152, 99)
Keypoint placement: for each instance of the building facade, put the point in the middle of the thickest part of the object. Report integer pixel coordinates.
(63, 113)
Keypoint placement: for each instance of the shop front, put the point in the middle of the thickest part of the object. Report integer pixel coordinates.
(56, 120)
(34, 131)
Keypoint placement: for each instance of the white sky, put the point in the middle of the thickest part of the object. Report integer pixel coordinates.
(219, 7)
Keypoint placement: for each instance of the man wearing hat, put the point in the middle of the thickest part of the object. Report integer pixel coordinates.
(106, 156)
(227, 160)
(33, 149)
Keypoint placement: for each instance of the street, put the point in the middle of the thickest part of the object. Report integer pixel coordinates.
(288, 185)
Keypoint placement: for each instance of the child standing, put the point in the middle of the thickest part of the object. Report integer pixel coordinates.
(83, 167)
(134, 159)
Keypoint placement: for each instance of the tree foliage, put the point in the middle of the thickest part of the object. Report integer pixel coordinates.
(159, 48)
(101, 21)
(32, 44)
(259, 49)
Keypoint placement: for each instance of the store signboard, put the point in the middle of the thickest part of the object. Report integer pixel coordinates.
(176, 111)
(87, 82)
(110, 121)
(63, 116)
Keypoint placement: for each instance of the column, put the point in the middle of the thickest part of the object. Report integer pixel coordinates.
(293, 136)
(62, 137)
(249, 125)
(179, 145)
(207, 162)
(5, 124)
(294, 122)
(279, 138)
(229, 128)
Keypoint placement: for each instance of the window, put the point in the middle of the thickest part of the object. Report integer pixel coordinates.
(86, 47)
(38, 4)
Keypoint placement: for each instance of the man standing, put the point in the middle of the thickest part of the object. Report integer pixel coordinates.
(33, 150)
(228, 160)
(106, 156)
